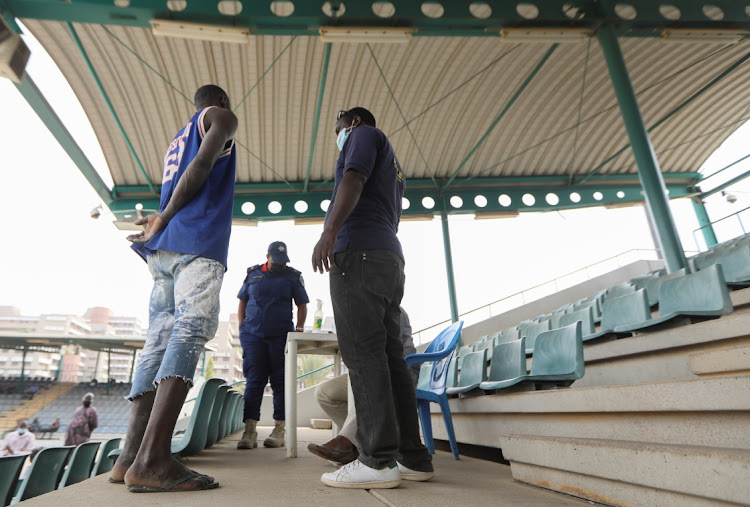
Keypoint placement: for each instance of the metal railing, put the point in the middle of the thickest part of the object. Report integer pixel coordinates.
(539, 291)
(731, 235)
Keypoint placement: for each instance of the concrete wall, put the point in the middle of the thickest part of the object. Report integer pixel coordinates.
(307, 408)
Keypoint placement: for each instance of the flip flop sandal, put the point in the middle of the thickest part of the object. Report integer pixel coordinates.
(115, 482)
(170, 487)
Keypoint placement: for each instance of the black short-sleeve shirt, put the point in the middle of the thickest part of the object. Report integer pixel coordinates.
(373, 223)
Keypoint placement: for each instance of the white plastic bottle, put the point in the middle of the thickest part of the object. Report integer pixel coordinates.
(318, 317)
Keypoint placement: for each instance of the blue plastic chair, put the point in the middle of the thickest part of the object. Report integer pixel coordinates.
(439, 353)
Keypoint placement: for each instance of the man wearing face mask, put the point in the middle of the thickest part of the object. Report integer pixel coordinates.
(21, 441)
(266, 311)
(360, 248)
(85, 420)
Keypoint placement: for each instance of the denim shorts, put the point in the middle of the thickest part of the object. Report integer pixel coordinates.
(183, 316)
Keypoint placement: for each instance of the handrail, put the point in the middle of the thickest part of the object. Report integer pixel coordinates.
(527, 295)
(739, 219)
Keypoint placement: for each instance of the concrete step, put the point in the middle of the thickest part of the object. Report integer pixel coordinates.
(617, 472)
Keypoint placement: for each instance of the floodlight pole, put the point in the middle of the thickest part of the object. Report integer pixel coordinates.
(704, 222)
(648, 167)
(23, 371)
(109, 370)
(448, 259)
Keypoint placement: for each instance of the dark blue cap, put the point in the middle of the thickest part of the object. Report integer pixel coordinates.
(277, 251)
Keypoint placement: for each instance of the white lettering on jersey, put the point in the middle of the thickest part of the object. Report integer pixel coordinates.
(174, 154)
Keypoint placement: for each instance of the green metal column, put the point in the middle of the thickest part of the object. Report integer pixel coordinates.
(448, 260)
(704, 222)
(23, 370)
(132, 366)
(648, 168)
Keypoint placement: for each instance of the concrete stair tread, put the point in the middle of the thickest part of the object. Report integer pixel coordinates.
(712, 473)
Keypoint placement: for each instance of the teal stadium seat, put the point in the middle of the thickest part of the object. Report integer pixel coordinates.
(466, 349)
(212, 432)
(473, 373)
(194, 439)
(508, 366)
(509, 335)
(10, 469)
(557, 361)
(703, 294)
(618, 290)
(105, 462)
(586, 316)
(734, 261)
(653, 285)
(452, 380)
(630, 309)
(439, 353)
(530, 330)
(224, 417)
(80, 464)
(43, 475)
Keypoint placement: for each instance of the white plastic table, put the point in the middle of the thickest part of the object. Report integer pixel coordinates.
(325, 344)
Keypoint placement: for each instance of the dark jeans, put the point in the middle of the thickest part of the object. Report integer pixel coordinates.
(263, 360)
(366, 290)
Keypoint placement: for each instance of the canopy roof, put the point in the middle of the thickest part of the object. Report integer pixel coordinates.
(467, 111)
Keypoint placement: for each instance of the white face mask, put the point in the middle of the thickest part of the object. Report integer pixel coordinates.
(343, 136)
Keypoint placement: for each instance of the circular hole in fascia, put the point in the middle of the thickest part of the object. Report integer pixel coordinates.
(324, 204)
(670, 12)
(552, 199)
(626, 11)
(713, 12)
(573, 11)
(428, 202)
(504, 200)
(405, 203)
(139, 206)
(528, 199)
(282, 9)
(274, 207)
(480, 10)
(598, 196)
(456, 201)
(328, 10)
(527, 11)
(230, 8)
(432, 10)
(176, 5)
(383, 9)
(620, 194)
(480, 201)
(300, 207)
(575, 197)
(122, 3)
(248, 208)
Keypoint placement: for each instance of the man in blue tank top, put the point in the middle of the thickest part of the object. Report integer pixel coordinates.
(360, 248)
(185, 245)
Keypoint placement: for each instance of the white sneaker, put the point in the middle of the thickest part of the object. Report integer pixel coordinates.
(414, 475)
(357, 475)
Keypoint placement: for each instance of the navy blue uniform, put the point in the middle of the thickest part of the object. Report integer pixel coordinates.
(263, 330)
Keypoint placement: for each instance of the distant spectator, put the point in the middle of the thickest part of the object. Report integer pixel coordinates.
(21, 441)
(52, 428)
(32, 391)
(35, 425)
(85, 420)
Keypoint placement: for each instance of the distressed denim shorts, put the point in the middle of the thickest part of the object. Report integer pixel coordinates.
(183, 316)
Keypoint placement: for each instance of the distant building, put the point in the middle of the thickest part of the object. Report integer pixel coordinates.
(227, 354)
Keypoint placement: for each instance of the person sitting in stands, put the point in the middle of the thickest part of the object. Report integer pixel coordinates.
(85, 420)
(52, 428)
(35, 425)
(18, 442)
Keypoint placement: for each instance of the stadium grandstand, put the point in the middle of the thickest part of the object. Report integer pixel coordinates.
(629, 387)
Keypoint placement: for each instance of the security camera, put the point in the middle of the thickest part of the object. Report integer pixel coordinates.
(730, 197)
(96, 212)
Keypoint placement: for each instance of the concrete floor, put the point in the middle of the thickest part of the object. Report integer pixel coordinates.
(267, 477)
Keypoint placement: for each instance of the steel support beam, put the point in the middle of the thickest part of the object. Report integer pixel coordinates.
(57, 128)
(648, 168)
(110, 107)
(704, 222)
(109, 369)
(132, 367)
(499, 117)
(448, 260)
(729, 183)
(321, 91)
(23, 370)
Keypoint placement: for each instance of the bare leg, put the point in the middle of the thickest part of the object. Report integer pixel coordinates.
(154, 465)
(140, 411)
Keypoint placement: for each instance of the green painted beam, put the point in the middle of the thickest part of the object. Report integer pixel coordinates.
(723, 186)
(674, 111)
(457, 18)
(654, 188)
(448, 259)
(485, 199)
(321, 91)
(728, 166)
(704, 222)
(111, 108)
(57, 128)
(499, 117)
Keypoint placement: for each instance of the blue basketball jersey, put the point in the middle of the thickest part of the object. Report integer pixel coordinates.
(203, 225)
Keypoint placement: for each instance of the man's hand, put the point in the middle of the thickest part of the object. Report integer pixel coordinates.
(323, 252)
(153, 223)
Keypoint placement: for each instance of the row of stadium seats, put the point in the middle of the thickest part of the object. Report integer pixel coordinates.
(645, 303)
(53, 468)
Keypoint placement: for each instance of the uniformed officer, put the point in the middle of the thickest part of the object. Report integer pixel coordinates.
(266, 305)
